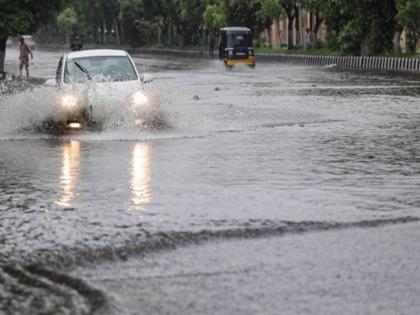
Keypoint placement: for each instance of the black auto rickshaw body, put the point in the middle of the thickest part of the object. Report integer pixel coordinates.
(235, 46)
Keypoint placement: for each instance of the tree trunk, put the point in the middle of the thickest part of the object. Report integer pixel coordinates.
(3, 40)
(411, 41)
(290, 32)
(169, 31)
(364, 47)
(311, 22)
(104, 32)
(117, 32)
(179, 36)
(270, 40)
(297, 26)
(318, 22)
(92, 21)
(159, 35)
(397, 37)
(278, 30)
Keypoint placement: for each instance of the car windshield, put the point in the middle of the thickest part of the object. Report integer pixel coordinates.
(103, 68)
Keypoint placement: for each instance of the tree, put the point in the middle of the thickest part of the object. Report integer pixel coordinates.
(362, 27)
(67, 20)
(408, 17)
(289, 7)
(171, 16)
(214, 17)
(242, 13)
(315, 7)
(191, 20)
(23, 16)
(134, 23)
(269, 11)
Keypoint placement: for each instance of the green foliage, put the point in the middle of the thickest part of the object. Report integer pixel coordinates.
(314, 6)
(25, 16)
(138, 22)
(67, 19)
(269, 10)
(19, 17)
(409, 13)
(382, 27)
(242, 13)
(352, 25)
(191, 20)
(290, 7)
(351, 36)
(214, 17)
(409, 17)
(315, 45)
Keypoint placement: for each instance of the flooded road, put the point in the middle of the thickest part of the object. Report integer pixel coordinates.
(284, 188)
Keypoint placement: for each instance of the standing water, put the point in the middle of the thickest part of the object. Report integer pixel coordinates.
(233, 206)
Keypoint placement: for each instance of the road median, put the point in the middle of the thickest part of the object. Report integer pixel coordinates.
(354, 62)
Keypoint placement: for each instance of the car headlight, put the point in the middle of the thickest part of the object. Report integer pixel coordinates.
(69, 101)
(139, 99)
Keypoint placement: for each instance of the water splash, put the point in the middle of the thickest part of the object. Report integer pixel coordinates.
(38, 110)
(20, 111)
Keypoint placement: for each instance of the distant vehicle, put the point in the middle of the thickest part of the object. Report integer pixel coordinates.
(102, 80)
(9, 42)
(76, 43)
(235, 46)
(29, 41)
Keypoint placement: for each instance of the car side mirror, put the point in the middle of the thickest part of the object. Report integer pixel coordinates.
(51, 82)
(147, 78)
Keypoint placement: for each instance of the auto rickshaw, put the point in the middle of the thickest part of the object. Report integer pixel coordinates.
(235, 46)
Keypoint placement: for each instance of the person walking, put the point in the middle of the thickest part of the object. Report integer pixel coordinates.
(25, 51)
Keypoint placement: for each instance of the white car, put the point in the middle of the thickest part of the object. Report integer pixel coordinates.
(99, 86)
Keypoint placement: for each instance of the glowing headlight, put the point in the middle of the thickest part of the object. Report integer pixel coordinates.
(139, 99)
(69, 101)
(74, 125)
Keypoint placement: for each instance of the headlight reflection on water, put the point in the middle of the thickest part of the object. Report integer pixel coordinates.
(70, 169)
(140, 176)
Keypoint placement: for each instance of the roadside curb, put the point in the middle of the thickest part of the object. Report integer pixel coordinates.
(354, 62)
(171, 52)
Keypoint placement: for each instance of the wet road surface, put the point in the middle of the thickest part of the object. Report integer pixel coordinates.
(284, 188)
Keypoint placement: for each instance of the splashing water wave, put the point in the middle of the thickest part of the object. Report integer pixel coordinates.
(38, 110)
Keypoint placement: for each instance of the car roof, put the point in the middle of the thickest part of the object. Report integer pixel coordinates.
(96, 53)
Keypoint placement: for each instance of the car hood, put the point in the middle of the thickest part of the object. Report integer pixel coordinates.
(107, 102)
(106, 93)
